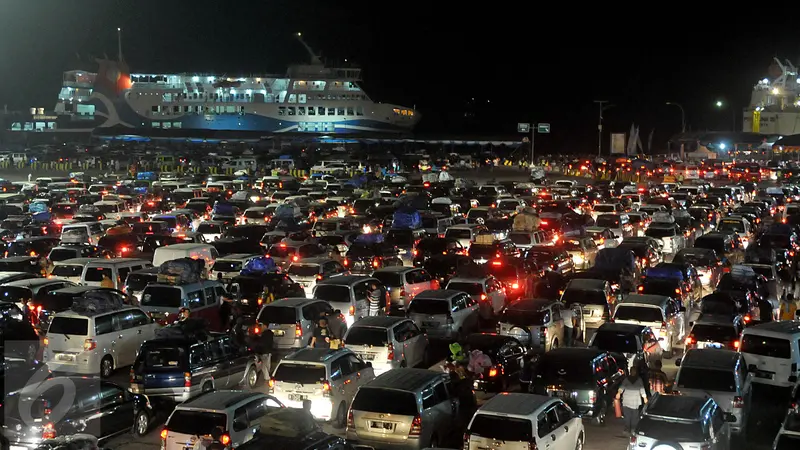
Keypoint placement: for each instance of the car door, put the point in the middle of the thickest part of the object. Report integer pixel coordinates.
(511, 357)
(556, 324)
(568, 421)
(116, 409)
(342, 381)
(361, 374)
(239, 358)
(417, 344)
(219, 364)
(497, 294)
(555, 437)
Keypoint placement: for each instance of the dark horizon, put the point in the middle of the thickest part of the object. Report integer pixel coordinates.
(437, 61)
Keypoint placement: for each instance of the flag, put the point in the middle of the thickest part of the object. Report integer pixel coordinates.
(638, 143)
(650, 141)
(631, 148)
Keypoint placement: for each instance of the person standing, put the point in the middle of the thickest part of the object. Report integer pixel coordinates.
(374, 299)
(788, 307)
(526, 373)
(658, 379)
(569, 323)
(632, 395)
(322, 334)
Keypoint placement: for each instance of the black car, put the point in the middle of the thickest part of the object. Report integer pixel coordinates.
(587, 379)
(17, 335)
(364, 258)
(444, 267)
(64, 406)
(15, 373)
(249, 289)
(505, 354)
(635, 343)
(429, 247)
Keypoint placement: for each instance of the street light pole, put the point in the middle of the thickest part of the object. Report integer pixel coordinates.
(600, 126)
(720, 104)
(683, 124)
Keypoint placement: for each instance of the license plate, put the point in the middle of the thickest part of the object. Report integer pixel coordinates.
(297, 397)
(475, 385)
(386, 426)
(712, 345)
(559, 394)
(430, 324)
(587, 312)
(764, 375)
(367, 356)
(65, 357)
(278, 332)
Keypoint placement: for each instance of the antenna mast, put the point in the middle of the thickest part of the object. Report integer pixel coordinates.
(119, 44)
(314, 58)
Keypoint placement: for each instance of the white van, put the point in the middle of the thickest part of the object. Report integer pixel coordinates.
(94, 230)
(206, 252)
(70, 269)
(112, 209)
(116, 269)
(248, 164)
(96, 343)
(772, 352)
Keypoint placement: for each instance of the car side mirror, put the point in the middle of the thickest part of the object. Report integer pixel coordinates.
(678, 362)
(368, 364)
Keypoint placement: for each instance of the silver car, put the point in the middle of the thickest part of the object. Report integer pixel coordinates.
(685, 421)
(444, 313)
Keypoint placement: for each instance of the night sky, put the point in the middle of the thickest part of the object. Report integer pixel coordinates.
(518, 63)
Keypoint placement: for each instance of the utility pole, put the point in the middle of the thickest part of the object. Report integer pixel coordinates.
(119, 44)
(600, 126)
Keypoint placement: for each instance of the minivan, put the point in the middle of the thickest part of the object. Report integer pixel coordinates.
(349, 294)
(664, 315)
(292, 321)
(116, 270)
(772, 353)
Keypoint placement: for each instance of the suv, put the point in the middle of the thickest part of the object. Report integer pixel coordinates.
(375, 339)
(292, 321)
(524, 420)
(232, 412)
(405, 409)
(327, 378)
(689, 422)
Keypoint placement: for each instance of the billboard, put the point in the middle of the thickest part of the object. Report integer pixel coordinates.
(617, 143)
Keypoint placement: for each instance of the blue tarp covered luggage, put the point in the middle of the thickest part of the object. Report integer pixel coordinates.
(369, 238)
(671, 273)
(406, 217)
(259, 266)
(223, 209)
(37, 207)
(41, 217)
(285, 211)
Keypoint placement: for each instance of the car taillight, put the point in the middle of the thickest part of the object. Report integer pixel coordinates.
(164, 434)
(187, 379)
(663, 327)
(351, 423)
(133, 377)
(738, 402)
(319, 277)
(326, 388)
(89, 344)
(747, 318)
(45, 341)
(416, 427)
(592, 397)
(736, 344)
(225, 439)
(415, 252)
(450, 320)
(352, 310)
(543, 331)
(689, 340)
(298, 330)
(376, 262)
(515, 286)
(484, 297)
(390, 357)
(346, 263)
(633, 441)
(48, 431)
(271, 384)
(493, 372)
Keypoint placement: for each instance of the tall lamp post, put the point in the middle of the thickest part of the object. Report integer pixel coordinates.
(602, 108)
(720, 104)
(683, 122)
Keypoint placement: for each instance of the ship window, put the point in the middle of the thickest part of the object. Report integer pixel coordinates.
(166, 125)
(311, 111)
(396, 111)
(230, 109)
(281, 110)
(154, 108)
(359, 110)
(331, 111)
(321, 110)
(176, 109)
(156, 124)
(292, 98)
(301, 110)
(301, 98)
(187, 109)
(176, 125)
(291, 111)
(340, 111)
(349, 110)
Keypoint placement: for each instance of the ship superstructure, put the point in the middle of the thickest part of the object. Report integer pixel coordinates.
(775, 102)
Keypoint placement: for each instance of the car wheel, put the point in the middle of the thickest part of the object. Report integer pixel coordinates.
(403, 364)
(106, 367)
(579, 443)
(341, 416)
(434, 442)
(141, 424)
(669, 353)
(554, 345)
(207, 387)
(251, 377)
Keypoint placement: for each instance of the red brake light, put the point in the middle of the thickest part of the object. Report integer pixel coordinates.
(736, 344)
(225, 439)
(484, 297)
(352, 310)
(48, 431)
(295, 258)
(298, 330)
(497, 263)
(515, 286)
(416, 427)
(493, 372)
(689, 340)
(164, 433)
(187, 380)
(738, 402)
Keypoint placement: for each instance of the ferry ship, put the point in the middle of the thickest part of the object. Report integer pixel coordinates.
(310, 98)
(775, 102)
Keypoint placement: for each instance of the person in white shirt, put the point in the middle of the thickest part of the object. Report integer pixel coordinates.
(633, 396)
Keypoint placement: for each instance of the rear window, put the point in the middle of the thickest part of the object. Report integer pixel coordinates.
(458, 234)
(62, 254)
(766, 346)
(563, 370)
(607, 221)
(163, 296)
(308, 270)
(787, 442)
(658, 233)
(424, 306)
(638, 313)
(400, 238)
(227, 266)
(659, 430)
(376, 337)
(210, 228)
(714, 333)
(96, 273)
(13, 294)
(386, 401)
(138, 281)
(733, 226)
(67, 270)
(615, 342)
(520, 238)
(300, 373)
(469, 288)
(482, 250)
(604, 208)
(277, 314)
(195, 423)
(502, 428)
(582, 297)
(78, 326)
(332, 293)
(523, 318)
(706, 379)
(389, 279)
(164, 358)
(254, 214)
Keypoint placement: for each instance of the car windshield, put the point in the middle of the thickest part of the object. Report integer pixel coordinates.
(374, 337)
(706, 379)
(638, 313)
(563, 370)
(615, 342)
(658, 233)
(332, 293)
(195, 423)
(501, 428)
(428, 306)
(607, 221)
(714, 333)
(304, 270)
